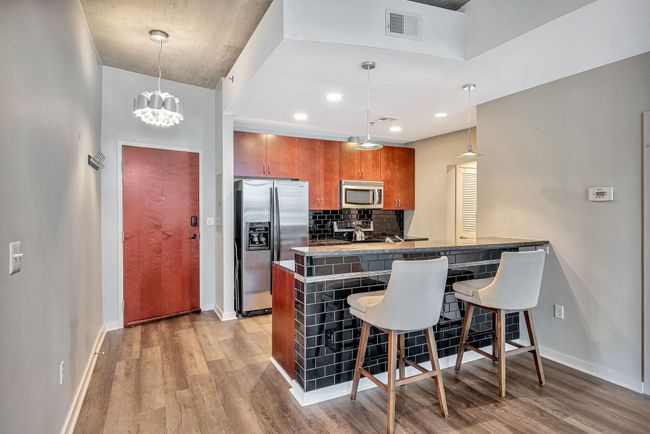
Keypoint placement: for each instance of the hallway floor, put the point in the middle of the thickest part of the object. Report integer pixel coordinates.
(196, 374)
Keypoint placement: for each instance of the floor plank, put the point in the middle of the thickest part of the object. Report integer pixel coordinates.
(196, 374)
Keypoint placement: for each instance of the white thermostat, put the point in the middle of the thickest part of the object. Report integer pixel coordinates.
(601, 194)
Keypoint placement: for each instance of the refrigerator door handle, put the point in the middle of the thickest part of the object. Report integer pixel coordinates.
(276, 224)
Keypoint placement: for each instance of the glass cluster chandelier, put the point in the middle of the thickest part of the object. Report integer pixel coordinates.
(158, 108)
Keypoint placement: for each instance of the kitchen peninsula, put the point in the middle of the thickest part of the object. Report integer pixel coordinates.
(315, 338)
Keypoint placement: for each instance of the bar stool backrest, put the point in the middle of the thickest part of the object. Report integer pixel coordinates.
(413, 298)
(517, 282)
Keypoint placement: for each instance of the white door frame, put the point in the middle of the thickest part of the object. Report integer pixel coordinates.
(645, 295)
(120, 222)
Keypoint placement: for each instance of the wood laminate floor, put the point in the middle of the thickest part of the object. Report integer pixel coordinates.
(195, 374)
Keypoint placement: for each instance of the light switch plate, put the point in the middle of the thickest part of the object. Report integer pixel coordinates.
(209, 221)
(15, 257)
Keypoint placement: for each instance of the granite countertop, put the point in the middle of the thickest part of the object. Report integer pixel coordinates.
(288, 265)
(414, 246)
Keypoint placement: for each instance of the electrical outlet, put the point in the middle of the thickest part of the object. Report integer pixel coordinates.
(559, 311)
(61, 372)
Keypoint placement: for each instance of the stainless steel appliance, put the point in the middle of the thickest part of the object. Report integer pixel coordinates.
(271, 217)
(362, 194)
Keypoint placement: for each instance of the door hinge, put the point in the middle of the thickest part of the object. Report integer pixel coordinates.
(123, 305)
(122, 236)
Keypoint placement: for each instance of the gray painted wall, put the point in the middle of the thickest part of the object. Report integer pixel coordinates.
(542, 149)
(49, 122)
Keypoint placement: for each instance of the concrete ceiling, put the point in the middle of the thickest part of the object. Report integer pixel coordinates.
(454, 5)
(206, 36)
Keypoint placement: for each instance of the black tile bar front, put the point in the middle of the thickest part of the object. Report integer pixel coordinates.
(327, 334)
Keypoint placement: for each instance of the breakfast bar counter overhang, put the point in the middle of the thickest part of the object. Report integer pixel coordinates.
(315, 338)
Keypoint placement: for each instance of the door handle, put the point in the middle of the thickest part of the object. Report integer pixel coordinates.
(268, 169)
(194, 237)
(264, 169)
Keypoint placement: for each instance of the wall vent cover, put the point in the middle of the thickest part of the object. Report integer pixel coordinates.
(403, 25)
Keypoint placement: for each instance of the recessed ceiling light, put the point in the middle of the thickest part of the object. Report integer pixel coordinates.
(300, 116)
(334, 97)
(395, 129)
(441, 115)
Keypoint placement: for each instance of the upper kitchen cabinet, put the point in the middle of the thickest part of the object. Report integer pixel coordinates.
(281, 156)
(398, 175)
(250, 154)
(265, 155)
(319, 165)
(359, 165)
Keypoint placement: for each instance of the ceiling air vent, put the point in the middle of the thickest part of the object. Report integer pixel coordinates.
(403, 25)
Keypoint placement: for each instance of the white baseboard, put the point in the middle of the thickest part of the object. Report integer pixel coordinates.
(113, 325)
(343, 389)
(282, 371)
(591, 369)
(78, 399)
(225, 316)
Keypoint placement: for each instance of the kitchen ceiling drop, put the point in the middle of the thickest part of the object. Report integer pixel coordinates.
(157, 107)
(368, 144)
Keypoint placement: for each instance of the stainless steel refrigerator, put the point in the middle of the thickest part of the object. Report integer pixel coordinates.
(271, 217)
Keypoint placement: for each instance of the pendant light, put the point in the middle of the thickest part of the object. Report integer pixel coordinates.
(368, 144)
(156, 107)
(469, 153)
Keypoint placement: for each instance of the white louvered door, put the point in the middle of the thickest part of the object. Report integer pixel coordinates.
(466, 194)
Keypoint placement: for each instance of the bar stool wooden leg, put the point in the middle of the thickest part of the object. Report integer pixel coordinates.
(533, 342)
(435, 365)
(363, 342)
(501, 338)
(401, 350)
(469, 309)
(392, 358)
(495, 347)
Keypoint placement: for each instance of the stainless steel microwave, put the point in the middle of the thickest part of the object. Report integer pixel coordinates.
(362, 194)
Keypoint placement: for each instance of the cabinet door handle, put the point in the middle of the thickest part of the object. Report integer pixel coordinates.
(268, 169)
(399, 202)
(361, 174)
(264, 169)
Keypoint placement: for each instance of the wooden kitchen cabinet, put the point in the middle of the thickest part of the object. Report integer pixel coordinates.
(250, 154)
(319, 165)
(281, 156)
(359, 165)
(398, 176)
(265, 155)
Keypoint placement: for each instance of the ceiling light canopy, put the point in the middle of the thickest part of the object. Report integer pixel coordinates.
(469, 153)
(300, 116)
(368, 144)
(158, 108)
(334, 97)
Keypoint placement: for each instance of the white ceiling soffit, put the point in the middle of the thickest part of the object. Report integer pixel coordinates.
(304, 49)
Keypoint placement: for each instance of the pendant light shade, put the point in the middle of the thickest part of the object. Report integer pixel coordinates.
(469, 153)
(368, 144)
(158, 108)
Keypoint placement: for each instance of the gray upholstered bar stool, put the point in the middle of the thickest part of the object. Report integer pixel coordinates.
(515, 287)
(411, 302)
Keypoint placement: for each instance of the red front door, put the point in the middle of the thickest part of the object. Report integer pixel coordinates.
(160, 200)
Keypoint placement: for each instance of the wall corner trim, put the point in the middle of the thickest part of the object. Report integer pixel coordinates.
(77, 401)
(225, 316)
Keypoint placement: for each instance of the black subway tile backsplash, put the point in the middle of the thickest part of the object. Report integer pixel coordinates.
(385, 222)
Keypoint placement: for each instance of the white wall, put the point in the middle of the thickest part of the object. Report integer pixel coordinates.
(542, 149)
(432, 157)
(120, 125)
(225, 235)
(49, 122)
(490, 23)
